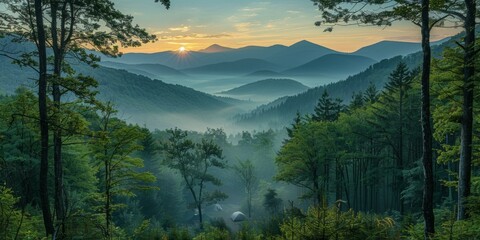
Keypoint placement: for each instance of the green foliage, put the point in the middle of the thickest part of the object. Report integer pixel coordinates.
(15, 223)
(247, 232)
(246, 172)
(327, 109)
(193, 161)
(448, 227)
(447, 89)
(19, 143)
(112, 147)
(303, 159)
(358, 101)
(281, 115)
(271, 202)
(213, 233)
(371, 94)
(332, 223)
(179, 233)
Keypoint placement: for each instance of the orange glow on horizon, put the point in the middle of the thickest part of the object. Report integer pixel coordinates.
(343, 40)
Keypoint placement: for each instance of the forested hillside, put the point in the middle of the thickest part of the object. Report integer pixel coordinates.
(281, 115)
(268, 88)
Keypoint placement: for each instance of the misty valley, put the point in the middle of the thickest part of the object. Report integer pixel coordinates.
(219, 138)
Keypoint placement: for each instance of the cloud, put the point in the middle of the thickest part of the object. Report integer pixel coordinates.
(252, 9)
(195, 36)
(180, 29)
(270, 25)
(250, 15)
(159, 33)
(243, 27)
(179, 43)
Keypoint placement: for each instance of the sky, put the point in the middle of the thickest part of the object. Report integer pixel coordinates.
(197, 24)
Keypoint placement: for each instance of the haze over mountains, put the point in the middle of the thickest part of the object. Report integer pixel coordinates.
(286, 56)
(218, 68)
(139, 99)
(332, 64)
(194, 85)
(281, 112)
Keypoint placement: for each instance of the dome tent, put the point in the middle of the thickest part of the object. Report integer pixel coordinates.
(238, 217)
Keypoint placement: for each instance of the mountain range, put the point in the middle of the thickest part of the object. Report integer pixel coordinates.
(285, 56)
(332, 64)
(139, 99)
(150, 70)
(281, 112)
(128, 80)
(218, 68)
(239, 67)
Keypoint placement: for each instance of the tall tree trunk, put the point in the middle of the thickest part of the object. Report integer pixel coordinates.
(465, 167)
(427, 203)
(57, 160)
(57, 137)
(42, 107)
(400, 155)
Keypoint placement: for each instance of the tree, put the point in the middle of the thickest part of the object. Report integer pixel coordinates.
(327, 109)
(193, 161)
(39, 36)
(467, 13)
(427, 158)
(113, 146)
(371, 94)
(73, 25)
(297, 121)
(394, 115)
(20, 145)
(271, 202)
(357, 101)
(246, 172)
(304, 160)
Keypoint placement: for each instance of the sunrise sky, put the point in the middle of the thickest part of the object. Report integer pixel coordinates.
(196, 24)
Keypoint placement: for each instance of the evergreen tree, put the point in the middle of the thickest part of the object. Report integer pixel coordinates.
(295, 125)
(327, 109)
(371, 94)
(396, 112)
(357, 101)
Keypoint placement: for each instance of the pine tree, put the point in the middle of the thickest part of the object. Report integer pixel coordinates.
(327, 109)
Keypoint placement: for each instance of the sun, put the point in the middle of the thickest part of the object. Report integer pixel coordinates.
(182, 49)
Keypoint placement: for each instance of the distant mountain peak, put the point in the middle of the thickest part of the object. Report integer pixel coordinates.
(304, 43)
(214, 48)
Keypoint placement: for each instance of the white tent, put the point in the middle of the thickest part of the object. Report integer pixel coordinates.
(238, 217)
